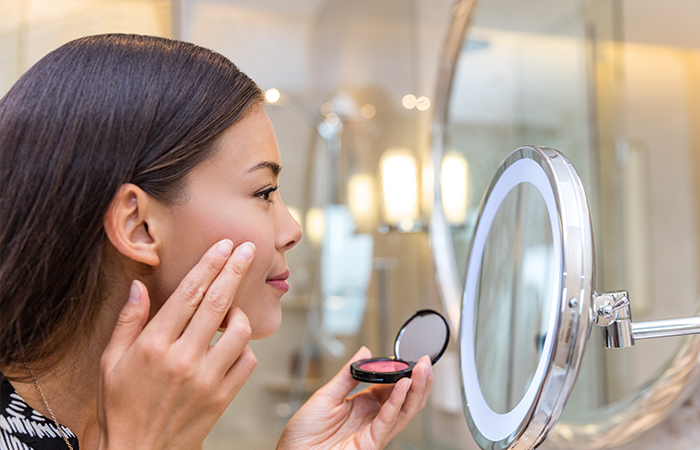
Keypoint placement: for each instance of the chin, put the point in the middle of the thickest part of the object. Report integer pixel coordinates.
(267, 327)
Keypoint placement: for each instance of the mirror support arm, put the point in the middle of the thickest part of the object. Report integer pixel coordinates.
(613, 315)
(663, 328)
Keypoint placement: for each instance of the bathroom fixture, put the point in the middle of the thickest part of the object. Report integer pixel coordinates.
(529, 304)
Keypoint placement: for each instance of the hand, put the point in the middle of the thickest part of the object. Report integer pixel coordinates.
(367, 420)
(164, 386)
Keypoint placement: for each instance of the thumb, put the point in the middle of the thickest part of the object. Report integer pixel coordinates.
(343, 383)
(131, 320)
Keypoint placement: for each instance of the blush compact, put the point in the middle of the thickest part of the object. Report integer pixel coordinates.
(425, 333)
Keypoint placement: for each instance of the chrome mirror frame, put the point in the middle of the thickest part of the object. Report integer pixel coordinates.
(614, 424)
(570, 316)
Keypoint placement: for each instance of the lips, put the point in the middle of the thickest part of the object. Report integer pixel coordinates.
(279, 281)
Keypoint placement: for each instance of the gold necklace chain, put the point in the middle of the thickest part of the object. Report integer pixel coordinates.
(46, 403)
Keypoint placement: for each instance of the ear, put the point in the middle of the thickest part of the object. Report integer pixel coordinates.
(127, 225)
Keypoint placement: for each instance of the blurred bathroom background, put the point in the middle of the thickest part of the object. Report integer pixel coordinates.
(614, 84)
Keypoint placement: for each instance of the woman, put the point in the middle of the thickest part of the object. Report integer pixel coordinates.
(139, 214)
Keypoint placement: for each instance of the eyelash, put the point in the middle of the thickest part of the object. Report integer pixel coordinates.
(265, 195)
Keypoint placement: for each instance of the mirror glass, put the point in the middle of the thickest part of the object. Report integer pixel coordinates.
(426, 333)
(515, 290)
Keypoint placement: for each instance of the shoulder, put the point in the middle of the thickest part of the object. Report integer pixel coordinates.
(23, 428)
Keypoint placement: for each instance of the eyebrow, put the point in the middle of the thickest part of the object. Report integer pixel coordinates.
(274, 167)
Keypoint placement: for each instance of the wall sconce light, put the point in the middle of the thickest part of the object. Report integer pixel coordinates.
(361, 200)
(315, 225)
(399, 177)
(454, 185)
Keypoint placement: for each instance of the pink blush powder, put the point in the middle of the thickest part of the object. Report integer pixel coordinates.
(384, 366)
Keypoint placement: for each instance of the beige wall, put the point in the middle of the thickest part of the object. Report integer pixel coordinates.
(29, 29)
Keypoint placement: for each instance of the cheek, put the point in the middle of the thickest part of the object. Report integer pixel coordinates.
(253, 294)
(195, 232)
(264, 314)
(258, 300)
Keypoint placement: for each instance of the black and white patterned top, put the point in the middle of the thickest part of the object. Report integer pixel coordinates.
(23, 428)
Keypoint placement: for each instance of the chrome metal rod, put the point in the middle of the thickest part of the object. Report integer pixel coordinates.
(663, 328)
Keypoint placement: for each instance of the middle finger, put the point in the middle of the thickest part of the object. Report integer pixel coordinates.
(218, 298)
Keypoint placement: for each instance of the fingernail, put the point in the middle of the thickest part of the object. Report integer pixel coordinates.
(134, 292)
(246, 250)
(224, 248)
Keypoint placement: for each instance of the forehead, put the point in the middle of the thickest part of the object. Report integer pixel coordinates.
(248, 143)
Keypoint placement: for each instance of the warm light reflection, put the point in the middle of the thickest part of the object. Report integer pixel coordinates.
(296, 214)
(405, 225)
(332, 120)
(454, 186)
(422, 103)
(361, 199)
(315, 225)
(272, 95)
(399, 185)
(368, 111)
(327, 108)
(409, 101)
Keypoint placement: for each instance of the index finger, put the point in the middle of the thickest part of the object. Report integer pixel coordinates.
(218, 299)
(176, 313)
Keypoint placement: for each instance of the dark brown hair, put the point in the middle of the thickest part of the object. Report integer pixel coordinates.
(92, 115)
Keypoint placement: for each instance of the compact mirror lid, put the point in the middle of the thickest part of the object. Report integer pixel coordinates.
(527, 300)
(425, 333)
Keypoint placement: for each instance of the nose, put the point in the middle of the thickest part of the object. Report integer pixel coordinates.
(290, 234)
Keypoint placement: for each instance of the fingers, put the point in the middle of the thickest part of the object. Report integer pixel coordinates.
(179, 379)
(177, 312)
(217, 301)
(343, 383)
(239, 373)
(420, 389)
(402, 407)
(232, 342)
(130, 323)
(383, 425)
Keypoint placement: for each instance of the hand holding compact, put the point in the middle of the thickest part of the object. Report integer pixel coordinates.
(425, 333)
(367, 420)
(163, 386)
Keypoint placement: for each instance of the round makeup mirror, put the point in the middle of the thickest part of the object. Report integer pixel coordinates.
(578, 76)
(527, 299)
(425, 333)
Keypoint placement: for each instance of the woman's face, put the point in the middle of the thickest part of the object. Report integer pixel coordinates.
(233, 195)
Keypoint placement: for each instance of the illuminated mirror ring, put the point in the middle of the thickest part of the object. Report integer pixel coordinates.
(493, 425)
(539, 408)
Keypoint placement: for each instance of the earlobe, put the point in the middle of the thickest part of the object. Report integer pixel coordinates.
(127, 225)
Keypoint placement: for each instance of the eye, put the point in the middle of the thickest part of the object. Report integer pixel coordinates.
(265, 195)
